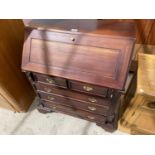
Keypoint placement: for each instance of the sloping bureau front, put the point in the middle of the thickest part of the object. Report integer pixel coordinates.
(96, 59)
(78, 67)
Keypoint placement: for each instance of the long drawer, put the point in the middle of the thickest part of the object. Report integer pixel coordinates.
(75, 112)
(104, 102)
(75, 104)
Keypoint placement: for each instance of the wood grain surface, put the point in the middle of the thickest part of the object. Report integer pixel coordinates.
(100, 59)
(146, 74)
(14, 87)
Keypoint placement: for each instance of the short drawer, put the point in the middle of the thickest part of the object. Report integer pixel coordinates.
(50, 80)
(75, 104)
(94, 100)
(88, 88)
(75, 112)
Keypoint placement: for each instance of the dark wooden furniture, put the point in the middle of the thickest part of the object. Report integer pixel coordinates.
(16, 93)
(79, 67)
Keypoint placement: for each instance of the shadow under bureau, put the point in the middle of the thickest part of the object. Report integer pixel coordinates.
(79, 67)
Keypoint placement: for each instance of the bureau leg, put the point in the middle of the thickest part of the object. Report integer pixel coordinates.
(43, 109)
(110, 124)
(109, 127)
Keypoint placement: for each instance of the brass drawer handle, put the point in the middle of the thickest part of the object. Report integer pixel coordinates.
(51, 98)
(91, 117)
(72, 39)
(93, 100)
(91, 108)
(48, 90)
(87, 88)
(49, 80)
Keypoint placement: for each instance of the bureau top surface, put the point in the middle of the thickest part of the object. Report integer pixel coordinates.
(101, 59)
(93, 26)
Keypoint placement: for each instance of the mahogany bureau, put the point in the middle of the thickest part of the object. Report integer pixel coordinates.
(79, 67)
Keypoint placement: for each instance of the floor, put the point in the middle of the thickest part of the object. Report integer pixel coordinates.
(35, 123)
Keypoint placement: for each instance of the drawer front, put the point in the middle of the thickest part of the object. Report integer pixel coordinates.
(87, 88)
(73, 95)
(74, 112)
(50, 80)
(75, 104)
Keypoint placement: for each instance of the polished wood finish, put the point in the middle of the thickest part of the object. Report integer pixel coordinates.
(15, 90)
(78, 113)
(88, 88)
(77, 104)
(145, 30)
(74, 95)
(84, 58)
(4, 103)
(77, 26)
(55, 81)
(151, 37)
(87, 62)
